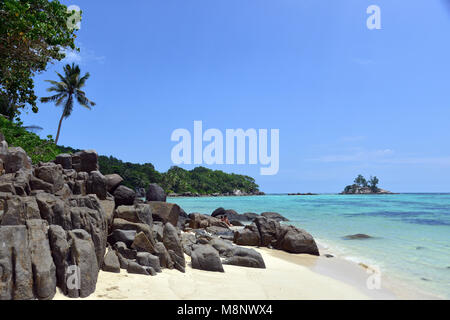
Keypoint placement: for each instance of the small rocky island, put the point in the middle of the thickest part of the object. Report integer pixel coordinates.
(362, 186)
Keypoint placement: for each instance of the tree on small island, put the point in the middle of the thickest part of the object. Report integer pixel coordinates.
(373, 184)
(361, 185)
(360, 181)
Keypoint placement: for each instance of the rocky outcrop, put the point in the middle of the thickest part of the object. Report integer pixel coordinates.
(148, 260)
(17, 210)
(61, 222)
(85, 161)
(173, 245)
(232, 215)
(65, 160)
(270, 233)
(44, 269)
(294, 240)
(83, 279)
(249, 236)
(96, 184)
(238, 219)
(201, 221)
(357, 189)
(155, 193)
(124, 196)
(16, 274)
(14, 158)
(125, 236)
(112, 182)
(274, 216)
(140, 213)
(165, 212)
(245, 257)
(51, 233)
(210, 253)
(205, 257)
(111, 262)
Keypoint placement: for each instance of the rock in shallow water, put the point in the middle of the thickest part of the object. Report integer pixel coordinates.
(358, 236)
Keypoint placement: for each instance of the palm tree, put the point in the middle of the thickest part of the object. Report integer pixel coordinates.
(67, 90)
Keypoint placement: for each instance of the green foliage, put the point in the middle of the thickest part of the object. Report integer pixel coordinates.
(205, 181)
(373, 184)
(32, 34)
(199, 180)
(38, 149)
(7, 107)
(134, 175)
(360, 181)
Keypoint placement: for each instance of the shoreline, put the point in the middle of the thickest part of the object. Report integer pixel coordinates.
(389, 282)
(287, 276)
(397, 283)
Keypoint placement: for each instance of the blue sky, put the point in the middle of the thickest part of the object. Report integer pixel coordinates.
(347, 100)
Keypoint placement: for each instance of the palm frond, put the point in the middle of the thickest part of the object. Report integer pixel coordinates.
(60, 100)
(84, 101)
(68, 89)
(83, 79)
(51, 98)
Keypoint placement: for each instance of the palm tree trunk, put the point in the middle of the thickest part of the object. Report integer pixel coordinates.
(59, 128)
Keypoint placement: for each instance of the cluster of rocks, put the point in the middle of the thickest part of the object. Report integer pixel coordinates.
(142, 245)
(63, 221)
(356, 189)
(267, 232)
(237, 219)
(53, 230)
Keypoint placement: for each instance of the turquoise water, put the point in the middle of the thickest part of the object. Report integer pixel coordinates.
(412, 231)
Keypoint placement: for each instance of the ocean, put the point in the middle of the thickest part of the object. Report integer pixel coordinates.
(411, 232)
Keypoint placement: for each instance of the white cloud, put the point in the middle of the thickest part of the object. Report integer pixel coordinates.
(83, 56)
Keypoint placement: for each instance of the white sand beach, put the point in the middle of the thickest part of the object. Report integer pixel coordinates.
(287, 276)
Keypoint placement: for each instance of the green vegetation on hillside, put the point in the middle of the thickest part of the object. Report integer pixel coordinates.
(176, 180)
(199, 180)
(38, 149)
(206, 181)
